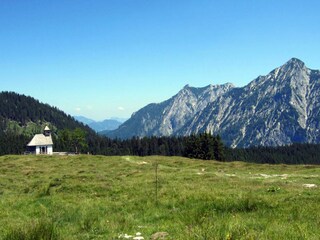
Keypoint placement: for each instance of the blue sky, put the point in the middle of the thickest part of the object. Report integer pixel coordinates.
(111, 57)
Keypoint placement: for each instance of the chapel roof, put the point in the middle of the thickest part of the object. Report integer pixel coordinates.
(40, 140)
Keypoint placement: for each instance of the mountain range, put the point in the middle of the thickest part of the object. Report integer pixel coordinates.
(277, 109)
(100, 126)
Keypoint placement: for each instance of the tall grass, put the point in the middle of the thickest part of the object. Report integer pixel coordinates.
(41, 229)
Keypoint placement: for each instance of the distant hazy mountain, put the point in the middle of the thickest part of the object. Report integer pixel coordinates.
(98, 126)
(84, 120)
(280, 108)
(122, 120)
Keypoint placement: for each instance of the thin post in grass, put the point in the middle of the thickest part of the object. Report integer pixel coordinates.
(156, 180)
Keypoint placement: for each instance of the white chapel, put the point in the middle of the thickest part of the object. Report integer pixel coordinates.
(41, 143)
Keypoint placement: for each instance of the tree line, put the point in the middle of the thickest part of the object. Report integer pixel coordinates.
(18, 111)
(296, 153)
(202, 146)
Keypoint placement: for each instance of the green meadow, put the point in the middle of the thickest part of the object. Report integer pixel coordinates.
(99, 197)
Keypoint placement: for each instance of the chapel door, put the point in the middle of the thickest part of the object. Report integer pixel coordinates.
(44, 150)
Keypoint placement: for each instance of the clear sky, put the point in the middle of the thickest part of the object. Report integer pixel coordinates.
(106, 58)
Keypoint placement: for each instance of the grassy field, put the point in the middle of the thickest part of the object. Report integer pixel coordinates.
(97, 197)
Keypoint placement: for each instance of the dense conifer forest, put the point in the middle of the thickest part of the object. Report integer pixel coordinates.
(296, 153)
(21, 117)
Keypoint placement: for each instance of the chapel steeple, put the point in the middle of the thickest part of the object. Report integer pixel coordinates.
(47, 131)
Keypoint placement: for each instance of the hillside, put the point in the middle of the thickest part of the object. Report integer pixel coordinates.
(22, 116)
(280, 108)
(96, 197)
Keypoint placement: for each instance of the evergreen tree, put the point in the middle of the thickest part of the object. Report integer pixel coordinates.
(218, 148)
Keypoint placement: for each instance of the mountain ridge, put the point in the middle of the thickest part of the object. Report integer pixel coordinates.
(99, 126)
(188, 101)
(279, 108)
(283, 78)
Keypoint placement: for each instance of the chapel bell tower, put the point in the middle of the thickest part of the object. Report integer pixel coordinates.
(47, 131)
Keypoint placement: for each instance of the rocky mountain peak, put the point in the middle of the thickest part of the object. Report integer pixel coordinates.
(294, 70)
(186, 86)
(295, 61)
(276, 109)
(227, 85)
(294, 64)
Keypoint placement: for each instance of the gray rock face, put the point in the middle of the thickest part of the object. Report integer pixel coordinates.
(166, 118)
(277, 109)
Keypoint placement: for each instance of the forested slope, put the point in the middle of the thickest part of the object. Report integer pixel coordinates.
(21, 117)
